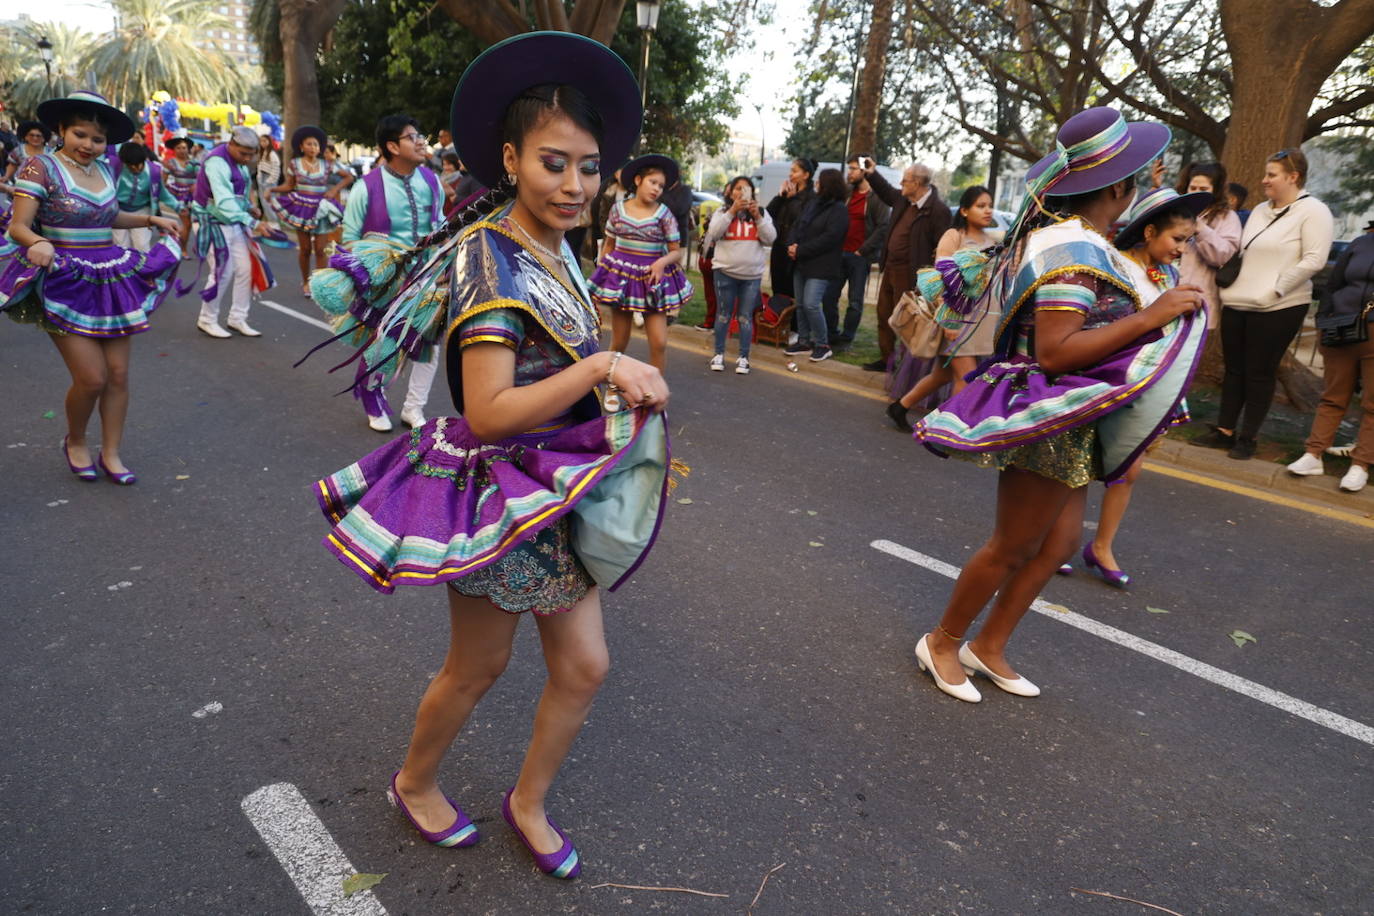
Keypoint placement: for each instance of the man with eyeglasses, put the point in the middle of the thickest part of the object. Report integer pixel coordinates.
(401, 199)
(225, 238)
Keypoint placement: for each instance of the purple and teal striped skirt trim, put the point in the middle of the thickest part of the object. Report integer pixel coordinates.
(622, 280)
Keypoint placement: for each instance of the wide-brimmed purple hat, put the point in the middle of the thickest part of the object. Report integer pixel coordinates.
(1149, 205)
(1095, 148)
(118, 126)
(502, 72)
(665, 164)
(307, 130)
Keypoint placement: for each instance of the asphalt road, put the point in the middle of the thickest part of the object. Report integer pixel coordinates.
(764, 707)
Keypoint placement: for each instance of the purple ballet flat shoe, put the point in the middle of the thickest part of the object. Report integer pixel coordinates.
(561, 864)
(1113, 577)
(462, 833)
(83, 473)
(123, 478)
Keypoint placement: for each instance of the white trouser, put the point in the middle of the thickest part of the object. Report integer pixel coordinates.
(140, 238)
(421, 380)
(238, 275)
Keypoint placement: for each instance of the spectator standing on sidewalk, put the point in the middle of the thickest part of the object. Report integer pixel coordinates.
(1285, 242)
(1348, 300)
(919, 219)
(815, 247)
(867, 226)
(1238, 194)
(268, 174)
(741, 234)
(786, 209)
(1217, 238)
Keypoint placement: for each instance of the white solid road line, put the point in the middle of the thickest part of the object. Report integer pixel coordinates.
(303, 846)
(300, 316)
(1324, 717)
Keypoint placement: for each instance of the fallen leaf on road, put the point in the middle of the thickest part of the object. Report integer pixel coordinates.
(1240, 638)
(685, 501)
(1156, 610)
(57, 502)
(48, 415)
(810, 511)
(817, 544)
(361, 882)
(214, 707)
(1057, 608)
(183, 477)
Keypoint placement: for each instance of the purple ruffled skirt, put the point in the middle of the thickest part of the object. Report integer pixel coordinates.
(621, 279)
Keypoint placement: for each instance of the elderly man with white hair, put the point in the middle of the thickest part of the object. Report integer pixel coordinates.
(227, 226)
(919, 218)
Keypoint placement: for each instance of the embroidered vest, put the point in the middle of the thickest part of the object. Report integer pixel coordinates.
(377, 219)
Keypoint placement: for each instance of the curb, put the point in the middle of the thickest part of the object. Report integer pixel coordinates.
(1211, 463)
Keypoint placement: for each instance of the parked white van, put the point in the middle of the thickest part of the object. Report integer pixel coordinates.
(768, 178)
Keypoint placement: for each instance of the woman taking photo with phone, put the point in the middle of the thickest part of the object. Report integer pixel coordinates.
(741, 233)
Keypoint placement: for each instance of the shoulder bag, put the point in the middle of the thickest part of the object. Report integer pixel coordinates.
(913, 321)
(1228, 272)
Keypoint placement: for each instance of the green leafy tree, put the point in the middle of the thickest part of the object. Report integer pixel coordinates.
(154, 46)
(25, 79)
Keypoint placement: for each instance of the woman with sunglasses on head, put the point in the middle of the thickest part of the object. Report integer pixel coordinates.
(531, 500)
(60, 269)
(1075, 347)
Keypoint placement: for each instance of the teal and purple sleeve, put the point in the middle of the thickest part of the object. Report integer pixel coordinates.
(503, 326)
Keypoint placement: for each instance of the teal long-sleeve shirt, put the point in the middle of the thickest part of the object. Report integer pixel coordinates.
(407, 227)
(225, 206)
(135, 192)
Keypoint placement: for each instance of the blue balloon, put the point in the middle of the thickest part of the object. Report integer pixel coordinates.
(273, 125)
(171, 114)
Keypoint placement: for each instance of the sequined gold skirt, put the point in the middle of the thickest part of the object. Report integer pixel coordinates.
(1073, 457)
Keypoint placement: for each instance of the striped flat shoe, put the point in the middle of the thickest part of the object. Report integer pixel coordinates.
(462, 833)
(561, 864)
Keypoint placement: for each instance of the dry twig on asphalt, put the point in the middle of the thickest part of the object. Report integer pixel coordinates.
(1127, 899)
(761, 885)
(640, 887)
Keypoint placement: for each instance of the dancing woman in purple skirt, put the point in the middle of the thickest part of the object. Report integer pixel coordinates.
(533, 498)
(1075, 347)
(306, 201)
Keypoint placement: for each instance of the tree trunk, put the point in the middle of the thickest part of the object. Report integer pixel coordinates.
(304, 24)
(496, 20)
(871, 78)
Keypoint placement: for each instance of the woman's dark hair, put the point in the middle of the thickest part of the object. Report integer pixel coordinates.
(966, 200)
(1070, 204)
(24, 127)
(452, 159)
(74, 116)
(389, 130)
(730, 185)
(1239, 191)
(525, 113)
(179, 141)
(1214, 172)
(1293, 161)
(830, 185)
(806, 165)
(133, 154)
(1161, 220)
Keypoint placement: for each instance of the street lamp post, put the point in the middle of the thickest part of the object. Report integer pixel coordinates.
(646, 12)
(763, 139)
(45, 52)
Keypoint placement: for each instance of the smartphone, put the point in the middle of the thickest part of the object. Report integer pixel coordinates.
(867, 164)
(746, 193)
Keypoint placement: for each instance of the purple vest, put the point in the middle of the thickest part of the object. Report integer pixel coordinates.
(377, 219)
(202, 195)
(154, 178)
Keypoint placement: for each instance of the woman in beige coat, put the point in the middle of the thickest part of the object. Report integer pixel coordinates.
(1217, 238)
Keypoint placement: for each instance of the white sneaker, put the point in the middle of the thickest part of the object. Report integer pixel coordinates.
(718, 363)
(1354, 479)
(1308, 465)
(1341, 451)
(742, 366)
(381, 424)
(243, 328)
(212, 328)
(639, 319)
(412, 417)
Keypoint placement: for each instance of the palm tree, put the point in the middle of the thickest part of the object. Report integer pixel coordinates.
(22, 68)
(154, 46)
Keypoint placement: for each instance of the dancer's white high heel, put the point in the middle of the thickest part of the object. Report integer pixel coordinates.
(965, 691)
(1019, 685)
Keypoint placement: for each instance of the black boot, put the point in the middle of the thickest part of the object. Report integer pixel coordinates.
(897, 413)
(1216, 439)
(1243, 450)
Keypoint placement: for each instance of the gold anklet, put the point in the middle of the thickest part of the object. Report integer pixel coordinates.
(948, 634)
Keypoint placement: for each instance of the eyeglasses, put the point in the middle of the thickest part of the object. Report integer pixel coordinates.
(413, 137)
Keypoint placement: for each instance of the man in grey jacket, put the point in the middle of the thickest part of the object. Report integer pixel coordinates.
(862, 246)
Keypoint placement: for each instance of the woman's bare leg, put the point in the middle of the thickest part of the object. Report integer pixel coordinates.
(926, 386)
(114, 400)
(1028, 509)
(959, 367)
(576, 656)
(86, 364)
(304, 243)
(479, 648)
(656, 331)
(321, 251)
(622, 323)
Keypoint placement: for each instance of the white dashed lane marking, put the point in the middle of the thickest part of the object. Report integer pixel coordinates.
(1292, 705)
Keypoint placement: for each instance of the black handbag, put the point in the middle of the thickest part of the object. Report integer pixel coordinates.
(1228, 272)
(1354, 333)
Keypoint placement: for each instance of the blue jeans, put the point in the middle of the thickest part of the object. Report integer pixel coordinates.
(856, 268)
(810, 316)
(735, 298)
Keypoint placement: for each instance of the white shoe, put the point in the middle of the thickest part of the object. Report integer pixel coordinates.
(381, 424)
(742, 366)
(243, 328)
(1341, 451)
(213, 329)
(965, 691)
(972, 663)
(791, 338)
(1355, 479)
(639, 319)
(718, 363)
(413, 417)
(1307, 466)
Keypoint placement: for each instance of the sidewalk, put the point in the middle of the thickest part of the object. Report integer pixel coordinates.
(1265, 476)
